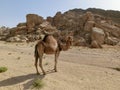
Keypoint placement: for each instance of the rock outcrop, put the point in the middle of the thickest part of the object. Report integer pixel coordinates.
(82, 25)
(17, 38)
(98, 35)
(88, 29)
(33, 20)
(4, 31)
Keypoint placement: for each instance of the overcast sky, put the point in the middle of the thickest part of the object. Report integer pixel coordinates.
(14, 11)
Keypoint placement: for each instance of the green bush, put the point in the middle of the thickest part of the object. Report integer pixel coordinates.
(37, 84)
(3, 69)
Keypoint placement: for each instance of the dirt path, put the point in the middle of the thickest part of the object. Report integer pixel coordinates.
(78, 69)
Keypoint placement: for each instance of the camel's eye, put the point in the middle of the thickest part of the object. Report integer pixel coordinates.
(70, 38)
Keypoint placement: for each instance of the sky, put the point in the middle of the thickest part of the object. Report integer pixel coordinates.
(13, 12)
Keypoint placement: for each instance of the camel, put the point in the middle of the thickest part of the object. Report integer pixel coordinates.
(49, 45)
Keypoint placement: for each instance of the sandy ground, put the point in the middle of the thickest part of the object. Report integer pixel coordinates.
(79, 68)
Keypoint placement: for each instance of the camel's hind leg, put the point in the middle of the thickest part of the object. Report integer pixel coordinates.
(40, 64)
(40, 54)
(36, 61)
(56, 57)
(36, 58)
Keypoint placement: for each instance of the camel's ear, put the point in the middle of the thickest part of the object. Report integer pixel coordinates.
(69, 38)
(71, 33)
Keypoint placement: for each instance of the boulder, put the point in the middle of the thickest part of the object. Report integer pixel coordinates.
(57, 19)
(90, 16)
(98, 35)
(21, 30)
(80, 42)
(33, 20)
(18, 38)
(89, 25)
(13, 39)
(46, 26)
(33, 37)
(21, 24)
(95, 44)
(4, 31)
(112, 41)
(50, 19)
(113, 30)
(18, 30)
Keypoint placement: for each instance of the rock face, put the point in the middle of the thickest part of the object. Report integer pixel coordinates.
(112, 41)
(17, 38)
(4, 31)
(92, 27)
(88, 29)
(33, 20)
(89, 25)
(98, 35)
(32, 29)
(95, 44)
(21, 24)
(112, 29)
(46, 26)
(80, 42)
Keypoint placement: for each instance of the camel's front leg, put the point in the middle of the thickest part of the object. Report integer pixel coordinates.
(56, 57)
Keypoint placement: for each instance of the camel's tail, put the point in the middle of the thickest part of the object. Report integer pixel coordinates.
(36, 51)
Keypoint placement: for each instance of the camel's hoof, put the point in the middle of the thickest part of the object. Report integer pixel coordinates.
(55, 70)
(38, 73)
(44, 73)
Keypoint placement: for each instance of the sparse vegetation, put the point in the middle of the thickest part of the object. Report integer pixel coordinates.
(37, 84)
(46, 63)
(22, 52)
(18, 58)
(3, 69)
(31, 45)
(9, 53)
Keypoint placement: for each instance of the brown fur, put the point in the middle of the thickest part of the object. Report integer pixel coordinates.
(49, 45)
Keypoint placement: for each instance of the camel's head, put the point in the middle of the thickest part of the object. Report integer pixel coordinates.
(69, 39)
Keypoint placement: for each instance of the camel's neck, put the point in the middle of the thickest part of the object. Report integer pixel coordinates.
(68, 44)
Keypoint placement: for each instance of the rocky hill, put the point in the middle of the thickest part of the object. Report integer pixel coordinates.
(114, 15)
(91, 27)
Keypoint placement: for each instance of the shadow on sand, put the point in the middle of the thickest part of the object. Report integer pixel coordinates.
(20, 79)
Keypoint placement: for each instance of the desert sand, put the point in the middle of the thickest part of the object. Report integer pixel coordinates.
(79, 68)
